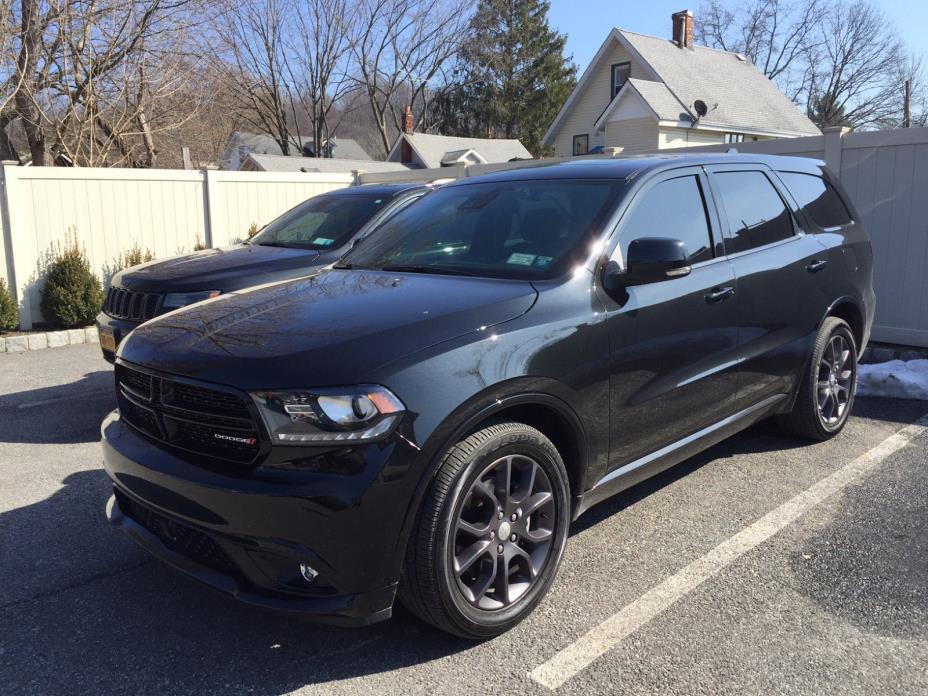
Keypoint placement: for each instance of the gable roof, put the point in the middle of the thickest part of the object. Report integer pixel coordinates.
(348, 148)
(432, 149)
(263, 144)
(746, 99)
(655, 95)
(279, 163)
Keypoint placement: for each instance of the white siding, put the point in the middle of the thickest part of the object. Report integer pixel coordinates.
(636, 135)
(592, 101)
(111, 210)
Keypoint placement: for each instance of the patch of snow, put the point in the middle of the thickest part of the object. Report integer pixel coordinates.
(898, 379)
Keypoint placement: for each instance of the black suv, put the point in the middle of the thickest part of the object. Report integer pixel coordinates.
(302, 240)
(427, 417)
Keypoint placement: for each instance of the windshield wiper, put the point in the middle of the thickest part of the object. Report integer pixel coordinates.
(281, 245)
(439, 270)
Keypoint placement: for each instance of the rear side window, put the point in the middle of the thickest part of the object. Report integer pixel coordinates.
(672, 209)
(817, 199)
(756, 214)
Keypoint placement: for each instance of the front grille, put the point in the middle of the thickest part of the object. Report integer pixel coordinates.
(180, 538)
(128, 304)
(200, 419)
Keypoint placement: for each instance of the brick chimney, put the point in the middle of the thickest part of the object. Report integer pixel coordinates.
(409, 122)
(683, 28)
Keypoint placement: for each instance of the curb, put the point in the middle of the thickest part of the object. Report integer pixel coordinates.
(49, 339)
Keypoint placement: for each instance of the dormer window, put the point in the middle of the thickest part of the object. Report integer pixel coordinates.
(620, 74)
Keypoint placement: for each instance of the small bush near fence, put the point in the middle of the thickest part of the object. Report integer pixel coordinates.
(72, 295)
(199, 245)
(252, 230)
(9, 314)
(133, 257)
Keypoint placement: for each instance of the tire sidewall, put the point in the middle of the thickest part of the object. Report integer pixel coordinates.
(836, 327)
(470, 619)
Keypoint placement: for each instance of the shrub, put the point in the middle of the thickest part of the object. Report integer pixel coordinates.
(9, 314)
(252, 230)
(133, 257)
(199, 245)
(72, 295)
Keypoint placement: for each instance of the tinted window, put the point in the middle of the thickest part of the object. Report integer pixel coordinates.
(817, 199)
(756, 213)
(509, 229)
(672, 209)
(322, 222)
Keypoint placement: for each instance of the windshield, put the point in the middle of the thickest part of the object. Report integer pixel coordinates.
(509, 229)
(322, 222)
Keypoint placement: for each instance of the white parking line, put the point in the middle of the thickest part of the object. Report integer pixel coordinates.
(582, 652)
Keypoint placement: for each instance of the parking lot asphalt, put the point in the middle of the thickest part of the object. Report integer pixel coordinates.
(835, 601)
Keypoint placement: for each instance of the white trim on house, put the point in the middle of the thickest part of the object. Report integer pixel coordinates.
(701, 125)
(627, 88)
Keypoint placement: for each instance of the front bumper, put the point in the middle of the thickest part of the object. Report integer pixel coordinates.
(247, 534)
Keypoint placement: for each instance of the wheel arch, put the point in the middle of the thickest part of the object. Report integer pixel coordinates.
(848, 309)
(531, 404)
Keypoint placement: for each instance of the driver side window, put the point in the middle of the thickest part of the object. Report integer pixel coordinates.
(674, 208)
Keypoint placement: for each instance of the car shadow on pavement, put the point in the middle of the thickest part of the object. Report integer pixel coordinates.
(762, 437)
(66, 413)
(84, 610)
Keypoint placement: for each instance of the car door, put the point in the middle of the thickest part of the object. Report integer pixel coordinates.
(673, 343)
(781, 298)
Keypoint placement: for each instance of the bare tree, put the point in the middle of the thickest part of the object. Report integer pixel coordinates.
(254, 35)
(853, 70)
(401, 49)
(775, 35)
(320, 67)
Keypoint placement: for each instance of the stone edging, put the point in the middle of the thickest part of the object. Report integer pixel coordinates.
(49, 339)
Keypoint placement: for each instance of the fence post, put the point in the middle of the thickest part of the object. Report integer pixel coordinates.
(834, 142)
(7, 270)
(210, 203)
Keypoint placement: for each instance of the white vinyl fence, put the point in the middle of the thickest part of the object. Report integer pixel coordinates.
(111, 210)
(886, 176)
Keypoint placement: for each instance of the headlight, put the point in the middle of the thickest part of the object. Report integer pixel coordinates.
(173, 300)
(353, 414)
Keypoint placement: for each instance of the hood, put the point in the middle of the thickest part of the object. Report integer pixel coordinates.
(331, 329)
(224, 269)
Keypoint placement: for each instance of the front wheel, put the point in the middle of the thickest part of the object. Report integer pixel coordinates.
(826, 394)
(490, 534)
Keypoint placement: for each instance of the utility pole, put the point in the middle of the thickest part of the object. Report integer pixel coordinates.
(907, 106)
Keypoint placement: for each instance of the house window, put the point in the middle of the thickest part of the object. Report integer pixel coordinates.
(581, 144)
(734, 137)
(620, 74)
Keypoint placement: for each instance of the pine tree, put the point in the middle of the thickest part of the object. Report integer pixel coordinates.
(512, 75)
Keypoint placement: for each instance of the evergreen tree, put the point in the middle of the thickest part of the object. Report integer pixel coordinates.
(512, 76)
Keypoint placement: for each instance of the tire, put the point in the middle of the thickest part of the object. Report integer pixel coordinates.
(809, 418)
(460, 519)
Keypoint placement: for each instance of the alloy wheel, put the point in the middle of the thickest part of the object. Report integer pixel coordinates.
(504, 532)
(835, 378)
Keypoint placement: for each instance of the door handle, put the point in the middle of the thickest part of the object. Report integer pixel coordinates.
(816, 266)
(719, 294)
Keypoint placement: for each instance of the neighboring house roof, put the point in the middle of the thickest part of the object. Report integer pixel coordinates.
(262, 144)
(746, 99)
(348, 148)
(279, 163)
(434, 150)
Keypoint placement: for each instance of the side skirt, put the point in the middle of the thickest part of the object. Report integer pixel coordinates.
(634, 472)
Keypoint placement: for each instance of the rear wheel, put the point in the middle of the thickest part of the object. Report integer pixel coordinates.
(490, 534)
(826, 394)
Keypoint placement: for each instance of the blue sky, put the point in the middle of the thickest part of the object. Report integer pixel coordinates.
(587, 28)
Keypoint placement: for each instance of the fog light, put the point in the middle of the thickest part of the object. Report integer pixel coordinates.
(308, 572)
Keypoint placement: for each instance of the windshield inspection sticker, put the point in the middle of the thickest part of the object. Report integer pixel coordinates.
(543, 261)
(521, 259)
(323, 241)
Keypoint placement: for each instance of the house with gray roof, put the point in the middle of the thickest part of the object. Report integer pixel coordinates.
(242, 144)
(644, 93)
(429, 151)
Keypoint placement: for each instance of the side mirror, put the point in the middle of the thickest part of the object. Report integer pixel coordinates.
(650, 260)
